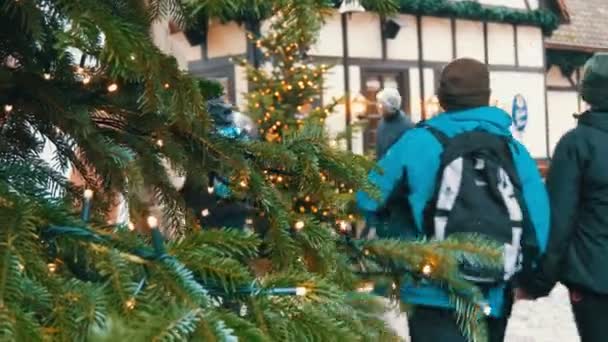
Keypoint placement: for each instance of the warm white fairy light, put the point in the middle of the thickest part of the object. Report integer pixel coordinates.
(21, 267)
(160, 143)
(210, 190)
(487, 310)
(8, 108)
(299, 225)
(131, 226)
(301, 291)
(427, 270)
(130, 304)
(52, 267)
(132, 57)
(152, 221)
(113, 87)
(47, 76)
(366, 287)
(86, 80)
(88, 194)
(205, 212)
(343, 225)
(243, 184)
(166, 85)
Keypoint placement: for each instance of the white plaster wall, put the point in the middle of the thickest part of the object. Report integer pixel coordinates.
(174, 44)
(364, 37)
(505, 85)
(501, 44)
(405, 45)
(329, 42)
(415, 94)
(530, 46)
(555, 78)
(436, 39)
(469, 39)
(225, 39)
(429, 83)
(241, 86)
(355, 88)
(334, 88)
(562, 105)
(508, 3)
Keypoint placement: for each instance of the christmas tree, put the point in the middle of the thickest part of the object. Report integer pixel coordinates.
(85, 77)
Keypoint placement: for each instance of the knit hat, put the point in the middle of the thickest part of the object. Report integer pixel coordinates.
(594, 87)
(464, 84)
(389, 98)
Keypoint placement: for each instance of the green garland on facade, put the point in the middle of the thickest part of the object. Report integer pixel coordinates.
(544, 19)
(567, 61)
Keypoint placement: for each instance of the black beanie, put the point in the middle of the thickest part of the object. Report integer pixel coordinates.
(464, 84)
(594, 87)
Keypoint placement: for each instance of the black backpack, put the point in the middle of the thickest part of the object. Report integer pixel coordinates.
(478, 191)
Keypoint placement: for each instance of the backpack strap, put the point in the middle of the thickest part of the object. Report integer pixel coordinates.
(439, 135)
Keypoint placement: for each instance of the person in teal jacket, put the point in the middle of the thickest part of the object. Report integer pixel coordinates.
(412, 164)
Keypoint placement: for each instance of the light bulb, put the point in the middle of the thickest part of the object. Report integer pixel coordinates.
(132, 57)
(301, 291)
(113, 87)
(160, 143)
(427, 270)
(88, 194)
(343, 225)
(52, 267)
(210, 190)
(152, 222)
(86, 80)
(487, 310)
(130, 304)
(131, 226)
(167, 85)
(47, 76)
(205, 212)
(280, 179)
(299, 225)
(21, 267)
(8, 108)
(243, 184)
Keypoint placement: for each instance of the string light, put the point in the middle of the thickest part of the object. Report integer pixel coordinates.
(394, 286)
(343, 226)
(88, 194)
(152, 221)
(52, 267)
(302, 209)
(131, 226)
(280, 179)
(210, 190)
(167, 85)
(8, 108)
(243, 184)
(487, 310)
(427, 270)
(366, 288)
(113, 87)
(47, 76)
(307, 199)
(130, 304)
(160, 143)
(301, 291)
(205, 212)
(86, 80)
(299, 225)
(132, 57)
(21, 267)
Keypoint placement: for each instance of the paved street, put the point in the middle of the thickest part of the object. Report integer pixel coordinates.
(545, 320)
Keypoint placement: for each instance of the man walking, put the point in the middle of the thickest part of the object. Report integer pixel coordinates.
(394, 121)
(461, 172)
(578, 189)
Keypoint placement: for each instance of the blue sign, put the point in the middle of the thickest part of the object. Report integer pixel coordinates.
(520, 113)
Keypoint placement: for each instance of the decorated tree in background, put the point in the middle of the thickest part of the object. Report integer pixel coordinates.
(85, 76)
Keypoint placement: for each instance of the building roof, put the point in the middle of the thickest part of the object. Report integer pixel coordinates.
(585, 27)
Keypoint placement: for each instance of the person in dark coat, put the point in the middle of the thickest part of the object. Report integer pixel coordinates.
(394, 121)
(577, 254)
